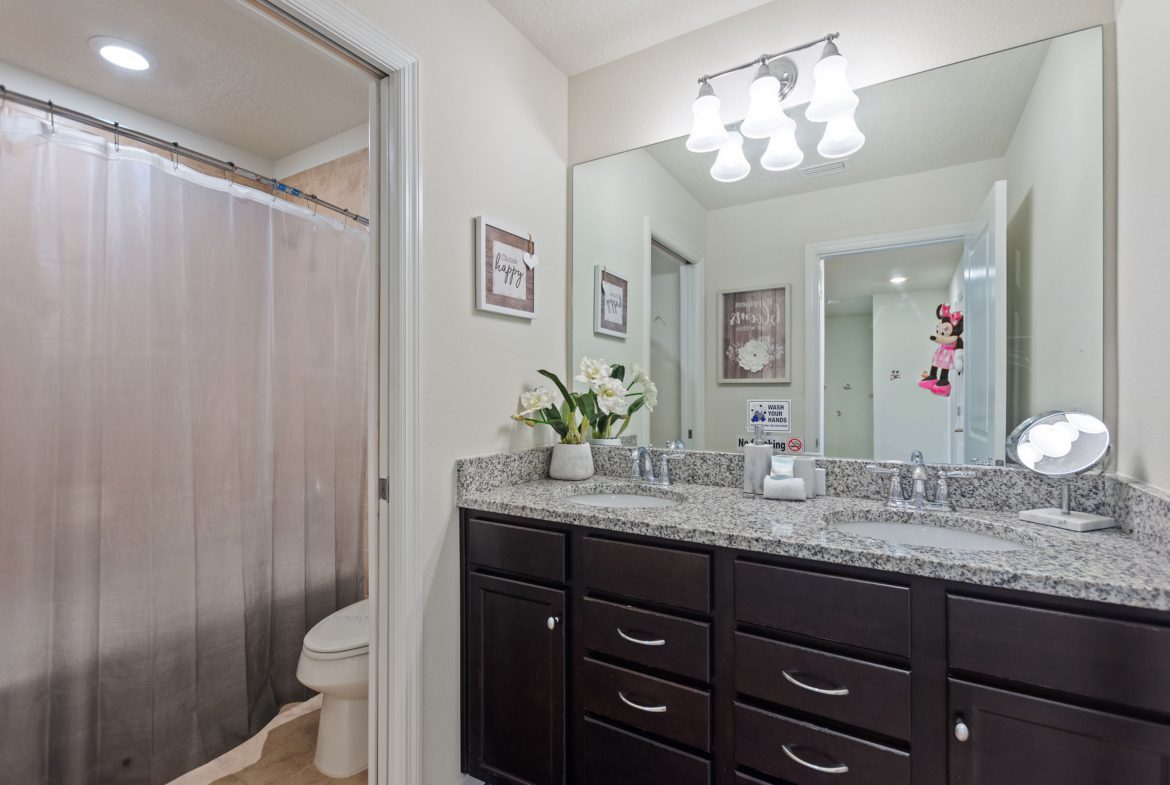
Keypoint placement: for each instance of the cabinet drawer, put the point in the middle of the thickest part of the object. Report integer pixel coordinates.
(616, 757)
(860, 613)
(646, 572)
(1120, 662)
(518, 549)
(851, 691)
(653, 705)
(652, 639)
(804, 754)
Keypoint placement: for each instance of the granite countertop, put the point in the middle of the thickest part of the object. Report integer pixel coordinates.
(1105, 566)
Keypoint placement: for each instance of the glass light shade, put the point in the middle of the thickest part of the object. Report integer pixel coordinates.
(707, 131)
(842, 137)
(783, 152)
(1050, 441)
(764, 115)
(832, 95)
(731, 165)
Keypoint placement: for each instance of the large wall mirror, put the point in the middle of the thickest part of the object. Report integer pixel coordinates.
(929, 292)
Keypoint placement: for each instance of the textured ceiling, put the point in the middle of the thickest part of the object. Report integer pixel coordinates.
(851, 280)
(222, 69)
(953, 115)
(581, 34)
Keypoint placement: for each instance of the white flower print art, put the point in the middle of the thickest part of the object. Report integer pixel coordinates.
(754, 327)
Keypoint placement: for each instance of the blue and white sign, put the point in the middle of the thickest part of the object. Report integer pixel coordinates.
(775, 416)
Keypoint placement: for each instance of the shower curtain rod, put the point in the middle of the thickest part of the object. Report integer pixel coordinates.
(174, 148)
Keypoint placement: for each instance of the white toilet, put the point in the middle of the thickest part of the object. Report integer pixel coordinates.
(335, 662)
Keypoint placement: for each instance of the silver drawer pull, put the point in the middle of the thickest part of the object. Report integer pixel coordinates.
(840, 691)
(640, 641)
(840, 768)
(640, 707)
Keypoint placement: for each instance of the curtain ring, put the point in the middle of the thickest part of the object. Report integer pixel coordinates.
(52, 120)
(175, 155)
(117, 144)
(345, 217)
(3, 96)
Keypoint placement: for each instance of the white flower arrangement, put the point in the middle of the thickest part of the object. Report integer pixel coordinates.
(607, 402)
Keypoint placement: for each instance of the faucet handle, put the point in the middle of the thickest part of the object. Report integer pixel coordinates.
(943, 494)
(895, 490)
(664, 461)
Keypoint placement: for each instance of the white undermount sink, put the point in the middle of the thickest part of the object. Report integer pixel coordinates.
(925, 535)
(625, 500)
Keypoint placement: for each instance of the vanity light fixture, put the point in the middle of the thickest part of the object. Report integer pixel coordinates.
(120, 53)
(833, 103)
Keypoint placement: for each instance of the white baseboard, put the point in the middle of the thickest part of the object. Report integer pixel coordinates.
(467, 779)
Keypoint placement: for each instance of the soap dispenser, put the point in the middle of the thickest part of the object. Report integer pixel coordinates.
(757, 462)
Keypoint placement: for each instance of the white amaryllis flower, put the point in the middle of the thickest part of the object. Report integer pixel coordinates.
(649, 394)
(754, 355)
(611, 397)
(593, 372)
(535, 400)
(638, 375)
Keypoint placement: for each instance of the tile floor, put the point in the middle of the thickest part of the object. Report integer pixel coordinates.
(281, 754)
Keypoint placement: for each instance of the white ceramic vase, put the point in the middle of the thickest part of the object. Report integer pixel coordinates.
(571, 462)
(607, 442)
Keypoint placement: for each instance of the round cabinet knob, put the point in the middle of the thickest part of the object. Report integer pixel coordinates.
(552, 622)
(962, 732)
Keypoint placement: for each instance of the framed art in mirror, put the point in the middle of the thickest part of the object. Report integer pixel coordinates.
(611, 303)
(505, 270)
(754, 325)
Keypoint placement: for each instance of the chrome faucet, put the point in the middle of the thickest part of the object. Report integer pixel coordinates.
(644, 466)
(919, 476)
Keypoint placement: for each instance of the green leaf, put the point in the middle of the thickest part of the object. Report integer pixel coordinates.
(635, 406)
(551, 414)
(588, 404)
(564, 392)
(618, 372)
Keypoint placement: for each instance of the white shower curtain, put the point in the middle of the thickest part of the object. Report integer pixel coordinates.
(182, 451)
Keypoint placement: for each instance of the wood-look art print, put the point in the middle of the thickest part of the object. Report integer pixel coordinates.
(754, 325)
(505, 270)
(611, 303)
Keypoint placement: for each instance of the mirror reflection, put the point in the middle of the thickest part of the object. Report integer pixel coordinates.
(941, 283)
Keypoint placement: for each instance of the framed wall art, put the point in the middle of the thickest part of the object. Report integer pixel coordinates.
(611, 303)
(754, 325)
(505, 270)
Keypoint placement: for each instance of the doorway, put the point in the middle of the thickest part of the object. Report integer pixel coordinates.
(672, 345)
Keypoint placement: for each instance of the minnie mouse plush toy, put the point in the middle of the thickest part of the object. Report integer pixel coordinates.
(948, 355)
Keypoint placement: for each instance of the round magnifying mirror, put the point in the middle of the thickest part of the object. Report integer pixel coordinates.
(1060, 446)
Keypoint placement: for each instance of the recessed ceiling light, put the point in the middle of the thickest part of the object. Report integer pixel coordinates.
(121, 53)
(899, 279)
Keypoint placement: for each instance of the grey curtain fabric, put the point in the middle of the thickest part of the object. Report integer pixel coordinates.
(182, 455)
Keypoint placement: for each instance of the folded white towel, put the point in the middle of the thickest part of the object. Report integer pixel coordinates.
(788, 489)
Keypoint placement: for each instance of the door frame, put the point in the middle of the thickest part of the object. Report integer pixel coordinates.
(395, 742)
(691, 318)
(814, 305)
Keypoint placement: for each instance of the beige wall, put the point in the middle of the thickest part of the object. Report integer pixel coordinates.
(494, 141)
(1055, 185)
(1143, 255)
(763, 243)
(646, 97)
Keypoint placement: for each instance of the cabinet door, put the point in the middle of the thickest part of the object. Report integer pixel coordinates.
(516, 681)
(1014, 739)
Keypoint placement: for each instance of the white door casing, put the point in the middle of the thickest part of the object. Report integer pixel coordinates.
(395, 226)
(985, 331)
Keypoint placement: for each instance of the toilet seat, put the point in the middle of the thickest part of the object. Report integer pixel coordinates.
(343, 633)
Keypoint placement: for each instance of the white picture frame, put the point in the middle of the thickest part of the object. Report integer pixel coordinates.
(505, 283)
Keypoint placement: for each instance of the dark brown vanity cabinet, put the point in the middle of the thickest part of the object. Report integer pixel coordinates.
(514, 648)
(597, 658)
